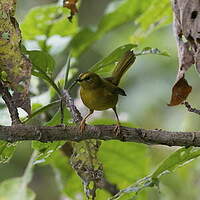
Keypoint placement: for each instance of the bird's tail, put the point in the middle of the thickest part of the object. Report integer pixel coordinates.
(123, 65)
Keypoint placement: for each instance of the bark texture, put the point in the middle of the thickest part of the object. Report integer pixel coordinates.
(101, 132)
(187, 31)
(15, 68)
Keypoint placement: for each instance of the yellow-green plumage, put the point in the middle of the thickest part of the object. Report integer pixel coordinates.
(99, 97)
(102, 93)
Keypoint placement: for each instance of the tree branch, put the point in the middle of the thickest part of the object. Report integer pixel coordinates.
(69, 102)
(190, 109)
(71, 133)
(10, 104)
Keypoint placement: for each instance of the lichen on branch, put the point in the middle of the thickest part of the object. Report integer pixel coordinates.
(15, 68)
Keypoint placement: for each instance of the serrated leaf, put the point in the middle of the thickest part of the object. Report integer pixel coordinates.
(106, 65)
(6, 151)
(47, 21)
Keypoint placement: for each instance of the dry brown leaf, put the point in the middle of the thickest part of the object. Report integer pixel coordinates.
(180, 92)
(71, 4)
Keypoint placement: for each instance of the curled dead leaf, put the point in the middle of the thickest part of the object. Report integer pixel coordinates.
(180, 92)
(71, 4)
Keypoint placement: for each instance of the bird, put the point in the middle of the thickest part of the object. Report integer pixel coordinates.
(99, 93)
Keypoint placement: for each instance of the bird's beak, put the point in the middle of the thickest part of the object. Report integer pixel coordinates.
(73, 84)
(78, 80)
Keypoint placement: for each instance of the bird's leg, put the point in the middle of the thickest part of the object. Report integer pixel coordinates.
(82, 124)
(117, 128)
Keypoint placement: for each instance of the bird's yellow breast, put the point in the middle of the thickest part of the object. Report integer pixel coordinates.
(98, 99)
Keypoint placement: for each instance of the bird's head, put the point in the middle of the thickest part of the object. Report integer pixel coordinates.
(89, 80)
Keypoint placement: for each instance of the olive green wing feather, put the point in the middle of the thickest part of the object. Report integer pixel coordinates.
(113, 89)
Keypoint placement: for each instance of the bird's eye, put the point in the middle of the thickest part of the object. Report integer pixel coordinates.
(87, 78)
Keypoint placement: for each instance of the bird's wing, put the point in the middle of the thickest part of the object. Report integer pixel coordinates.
(113, 89)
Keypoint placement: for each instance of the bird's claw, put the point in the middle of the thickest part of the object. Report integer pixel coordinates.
(61, 125)
(82, 126)
(117, 130)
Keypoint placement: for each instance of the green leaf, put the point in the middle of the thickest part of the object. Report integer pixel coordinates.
(40, 110)
(125, 11)
(177, 159)
(45, 150)
(41, 74)
(67, 180)
(16, 188)
(43, 66)
(155, 16)
(82, 40)
(150, 50)
(106, 65)
(42, 60)
(10, 190)
(47, 21)
(131, 192)
(118, 154)
(67, 72)
(56, 118)
(124, 163)
(157, 10)
(6, 151)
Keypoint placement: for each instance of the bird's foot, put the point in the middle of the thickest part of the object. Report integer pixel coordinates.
(117, 130)
(61, 125)
(82, 126)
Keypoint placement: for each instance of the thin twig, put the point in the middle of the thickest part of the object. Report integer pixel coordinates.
(76, 115)
(10, 104)
(190, 109)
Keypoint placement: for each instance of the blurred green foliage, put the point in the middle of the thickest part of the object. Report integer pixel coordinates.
(48, 39)
(6, 151)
